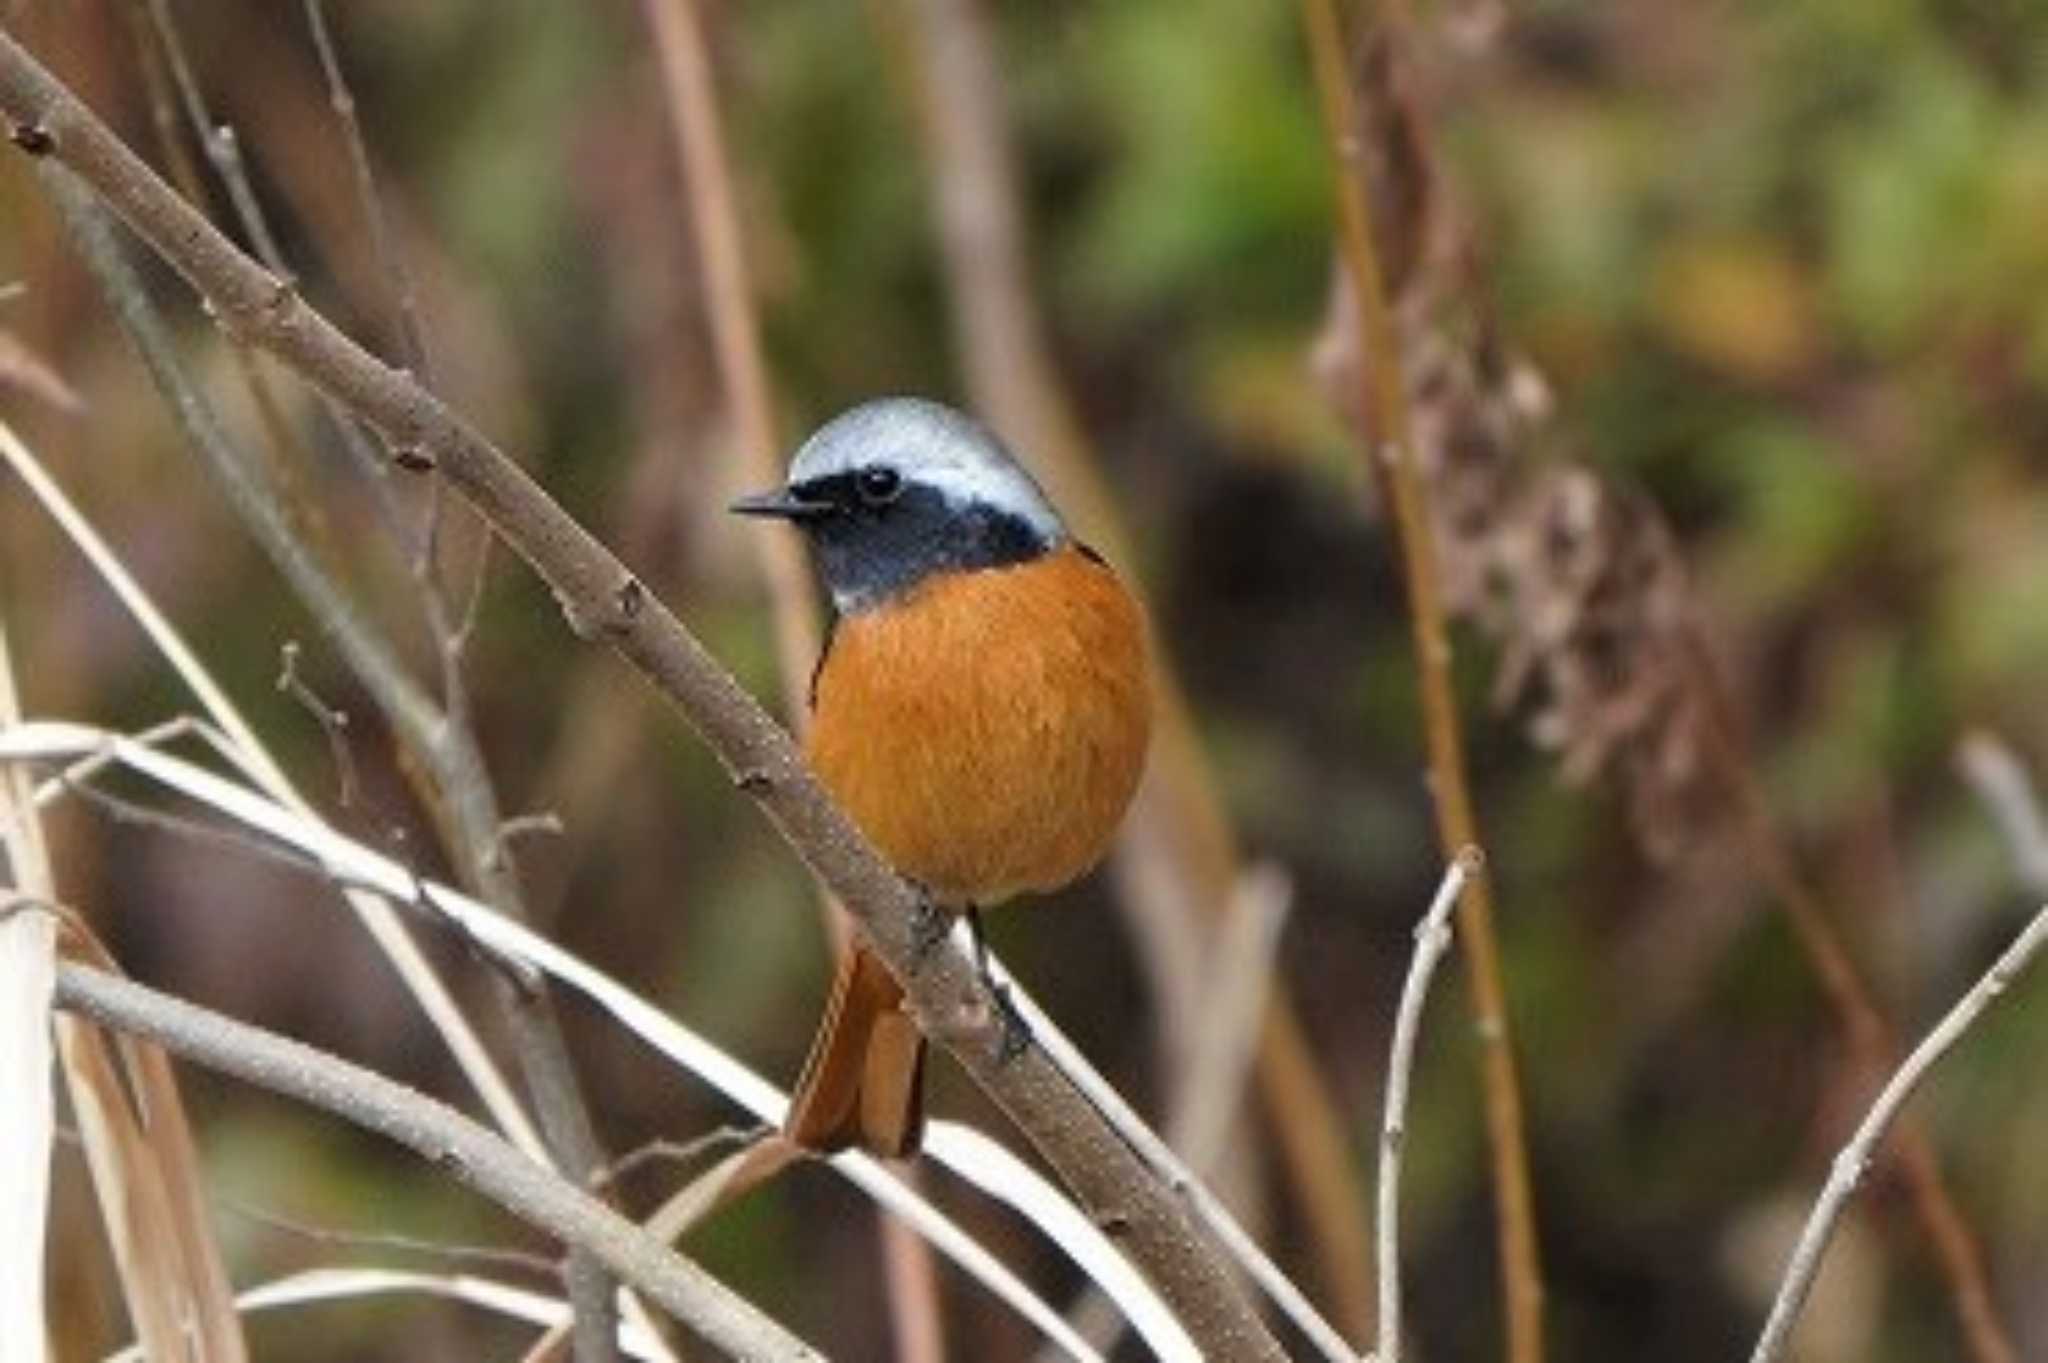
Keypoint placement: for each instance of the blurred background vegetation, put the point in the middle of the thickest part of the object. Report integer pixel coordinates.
(1784, 268)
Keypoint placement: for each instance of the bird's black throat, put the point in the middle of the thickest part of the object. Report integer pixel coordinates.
(869, 552)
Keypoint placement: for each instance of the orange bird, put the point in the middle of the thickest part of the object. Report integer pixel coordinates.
(981, 710)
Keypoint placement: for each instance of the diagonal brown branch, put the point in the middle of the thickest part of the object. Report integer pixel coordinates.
(1393, 462)
(603, 601)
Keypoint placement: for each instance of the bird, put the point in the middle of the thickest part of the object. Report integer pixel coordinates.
(981, 709)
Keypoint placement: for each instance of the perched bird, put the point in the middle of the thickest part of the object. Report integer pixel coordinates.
(981, 710)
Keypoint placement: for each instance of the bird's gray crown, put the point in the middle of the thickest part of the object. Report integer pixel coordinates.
(934, 446)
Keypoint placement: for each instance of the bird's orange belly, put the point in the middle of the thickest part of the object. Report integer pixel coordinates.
(987, 731)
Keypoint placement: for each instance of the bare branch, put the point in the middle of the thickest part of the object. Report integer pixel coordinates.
(602, 600)
(1432, 940)
(1856, 1157)
(443, 1136)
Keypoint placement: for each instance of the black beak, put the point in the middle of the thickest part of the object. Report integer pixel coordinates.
(782, 503)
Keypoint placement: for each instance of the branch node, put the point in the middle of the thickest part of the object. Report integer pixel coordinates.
(629, 597)
(412, 457)
(754, 781)
(33, 138)
(284, 295)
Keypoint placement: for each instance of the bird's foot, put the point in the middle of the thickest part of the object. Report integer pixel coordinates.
(1016, 1037)
(929, 926)
(1016, 1032)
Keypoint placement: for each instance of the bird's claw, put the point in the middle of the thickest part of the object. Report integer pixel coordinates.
(929, 926)
(1016, 1032)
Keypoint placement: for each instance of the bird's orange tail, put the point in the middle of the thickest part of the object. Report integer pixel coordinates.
(864, 1082)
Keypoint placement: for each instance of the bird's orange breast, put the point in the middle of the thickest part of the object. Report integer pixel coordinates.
(987, 730)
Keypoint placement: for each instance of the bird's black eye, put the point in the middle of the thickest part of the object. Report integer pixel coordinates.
(879, 485)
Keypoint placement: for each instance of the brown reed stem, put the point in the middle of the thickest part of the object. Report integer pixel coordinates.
(1393, 463)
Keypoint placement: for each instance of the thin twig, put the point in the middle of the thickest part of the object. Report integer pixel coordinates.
(241, 746)
(333, 721)
(446, 1251)
(714, 219)
(453, 1143)
(1432, 940)
(167, 76)
(1238, 981)
(451, 630)
(1872, 1048)
(412, 333)
(1856, 1157)
(1457, 823)
(223, 148)
(674, 1152)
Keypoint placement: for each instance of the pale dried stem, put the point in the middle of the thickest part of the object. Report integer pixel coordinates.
(146, 1175)
(1432, 940)
(1857, 1156)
